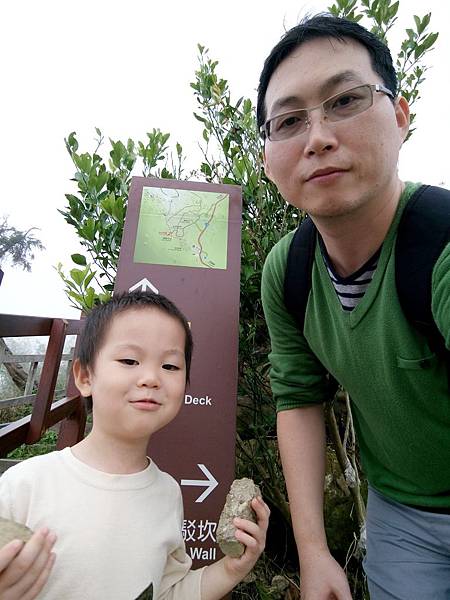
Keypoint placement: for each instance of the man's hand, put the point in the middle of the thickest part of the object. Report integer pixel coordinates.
(322, 578)
(253, 536)
(24, 568)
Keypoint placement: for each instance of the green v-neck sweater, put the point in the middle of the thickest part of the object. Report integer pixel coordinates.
(398, 387)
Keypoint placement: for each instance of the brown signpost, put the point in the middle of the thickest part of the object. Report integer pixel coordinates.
(182, 239)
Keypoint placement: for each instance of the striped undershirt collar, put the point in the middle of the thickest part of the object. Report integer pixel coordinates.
(351, 289)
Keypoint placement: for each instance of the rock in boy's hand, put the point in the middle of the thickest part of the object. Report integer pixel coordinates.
(253, 536)
(24, 568)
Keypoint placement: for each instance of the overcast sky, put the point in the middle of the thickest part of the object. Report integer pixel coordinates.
(126, 68)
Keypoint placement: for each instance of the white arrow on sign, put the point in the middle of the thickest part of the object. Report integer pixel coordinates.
(144, 285)
(210, 483)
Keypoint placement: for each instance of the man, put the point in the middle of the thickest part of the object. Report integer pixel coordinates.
(337, 161)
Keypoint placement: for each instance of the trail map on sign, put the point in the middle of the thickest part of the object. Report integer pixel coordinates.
(182, 227)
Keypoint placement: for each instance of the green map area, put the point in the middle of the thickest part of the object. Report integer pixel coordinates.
(182, 227)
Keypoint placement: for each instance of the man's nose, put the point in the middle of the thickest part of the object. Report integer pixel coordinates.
(320, 134)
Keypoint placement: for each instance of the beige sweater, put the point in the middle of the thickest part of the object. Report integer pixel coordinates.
(117, 534)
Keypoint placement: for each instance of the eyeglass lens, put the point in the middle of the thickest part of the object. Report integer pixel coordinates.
(339, 107)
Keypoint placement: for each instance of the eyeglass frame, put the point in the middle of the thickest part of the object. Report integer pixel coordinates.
(374, 87)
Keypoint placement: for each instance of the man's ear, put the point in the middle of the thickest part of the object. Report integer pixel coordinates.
(402, 117)
(266, 164)
(82, 377)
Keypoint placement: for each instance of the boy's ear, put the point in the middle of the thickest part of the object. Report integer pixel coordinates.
(82, 377)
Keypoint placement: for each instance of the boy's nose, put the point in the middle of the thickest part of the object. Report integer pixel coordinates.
(148, 378)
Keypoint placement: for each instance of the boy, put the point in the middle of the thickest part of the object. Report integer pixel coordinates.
(117, 516)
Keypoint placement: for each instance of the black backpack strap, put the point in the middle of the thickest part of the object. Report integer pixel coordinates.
(423, 233)
(298, 274)
(298, 280)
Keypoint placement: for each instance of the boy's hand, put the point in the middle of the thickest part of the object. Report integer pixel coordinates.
(24, 568)
(253, 536)
(220, 578)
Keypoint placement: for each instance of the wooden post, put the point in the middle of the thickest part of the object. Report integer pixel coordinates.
(47, 382)
(69, 365)
(31, 378)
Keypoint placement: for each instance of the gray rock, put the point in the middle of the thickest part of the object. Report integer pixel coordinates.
(10, 530)
(279, 584)
(237, 504)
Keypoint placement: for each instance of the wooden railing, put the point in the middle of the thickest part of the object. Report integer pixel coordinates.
(33, 360)
(68, 411)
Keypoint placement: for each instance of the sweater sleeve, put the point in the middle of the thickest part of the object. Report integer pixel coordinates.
(297, 377)
(440, 303)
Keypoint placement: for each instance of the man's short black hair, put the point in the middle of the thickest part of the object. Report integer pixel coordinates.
(327, 26)
(100, 318)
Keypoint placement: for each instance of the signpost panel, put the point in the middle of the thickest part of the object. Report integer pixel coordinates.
(182, 239)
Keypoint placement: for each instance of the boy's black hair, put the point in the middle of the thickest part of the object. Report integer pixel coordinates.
(99, 319)
(328, 26)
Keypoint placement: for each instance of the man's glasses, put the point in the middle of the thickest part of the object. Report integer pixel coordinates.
(337, 108)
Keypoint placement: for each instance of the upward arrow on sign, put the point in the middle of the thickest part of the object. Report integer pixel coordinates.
(210, 483)
(144, 285)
